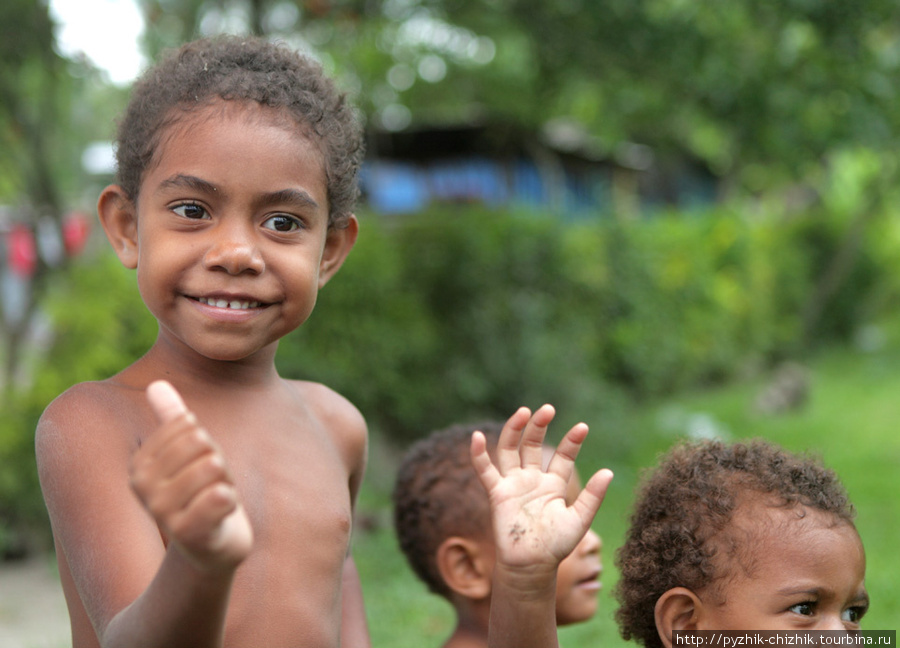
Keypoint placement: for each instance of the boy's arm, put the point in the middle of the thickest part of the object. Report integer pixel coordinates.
(354, 629)
(355, 444)
(534, 528)
(135, 590)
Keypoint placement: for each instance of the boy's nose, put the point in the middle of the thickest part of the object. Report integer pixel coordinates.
(234, 250)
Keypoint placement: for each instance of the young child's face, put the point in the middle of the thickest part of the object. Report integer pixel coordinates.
(232, 221)
(578, 578)
(805, 574)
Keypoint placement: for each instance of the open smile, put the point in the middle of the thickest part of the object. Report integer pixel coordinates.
(233, 304)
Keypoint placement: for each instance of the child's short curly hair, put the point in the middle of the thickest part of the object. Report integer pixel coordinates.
(437, 495)
(243, 69)
(686, 504)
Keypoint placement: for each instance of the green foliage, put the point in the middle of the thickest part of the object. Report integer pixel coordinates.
(459, 313)
(759, 92)
(468, 313)
(99, 326)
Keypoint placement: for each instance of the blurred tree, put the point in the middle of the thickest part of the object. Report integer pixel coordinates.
(50, 109)
(757, 91)
(32, 81)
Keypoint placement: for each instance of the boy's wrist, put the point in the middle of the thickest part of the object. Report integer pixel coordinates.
(202, 571)
(526, 582)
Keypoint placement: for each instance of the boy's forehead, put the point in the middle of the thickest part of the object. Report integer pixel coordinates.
(181, 121)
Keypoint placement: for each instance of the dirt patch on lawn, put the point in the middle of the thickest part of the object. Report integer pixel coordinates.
(32, 608)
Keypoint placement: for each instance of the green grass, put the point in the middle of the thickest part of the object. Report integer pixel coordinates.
(849, 420)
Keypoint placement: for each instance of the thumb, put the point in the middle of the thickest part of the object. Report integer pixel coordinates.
(165, 401)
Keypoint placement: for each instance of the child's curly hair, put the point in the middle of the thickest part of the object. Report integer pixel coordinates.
(437, 495)
(684, 506)
(243, 69)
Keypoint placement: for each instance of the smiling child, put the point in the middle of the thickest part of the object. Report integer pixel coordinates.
(224, 519)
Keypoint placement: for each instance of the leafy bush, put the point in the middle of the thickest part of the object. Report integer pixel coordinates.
(467, 313)
(99, 326)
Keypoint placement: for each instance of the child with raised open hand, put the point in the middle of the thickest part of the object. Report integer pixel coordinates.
(442, 519)
(225, 519)
(534, 526)
(742, 537)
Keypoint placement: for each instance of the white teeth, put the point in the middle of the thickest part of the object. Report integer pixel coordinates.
(223, 303)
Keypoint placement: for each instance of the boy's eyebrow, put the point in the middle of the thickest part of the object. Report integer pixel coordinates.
(283, 196)
(289, 196)
(188, 182)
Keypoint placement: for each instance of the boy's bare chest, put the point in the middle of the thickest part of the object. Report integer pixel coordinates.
(288, 470)
(294, 484)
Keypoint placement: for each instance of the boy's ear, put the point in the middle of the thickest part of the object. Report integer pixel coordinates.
(465, 567)
(338, 243)
(118, 216)
(678, 609)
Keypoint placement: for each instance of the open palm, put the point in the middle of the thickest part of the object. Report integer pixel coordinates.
(534, 526)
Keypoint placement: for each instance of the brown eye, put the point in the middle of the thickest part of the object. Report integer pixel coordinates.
(190, 210)
(807, 608)
(282, 223)
(853, 614)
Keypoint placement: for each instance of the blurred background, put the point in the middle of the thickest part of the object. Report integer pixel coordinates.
(669, 218)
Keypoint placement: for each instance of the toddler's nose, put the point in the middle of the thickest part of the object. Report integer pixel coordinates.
(591, 543)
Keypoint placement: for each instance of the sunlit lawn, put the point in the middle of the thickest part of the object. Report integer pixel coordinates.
(849, 420)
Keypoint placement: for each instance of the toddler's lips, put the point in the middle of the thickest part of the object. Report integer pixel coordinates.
(592, 580)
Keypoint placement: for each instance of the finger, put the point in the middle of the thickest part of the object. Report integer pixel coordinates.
(591, 497)
(510, 438)
(531, 449)
(563, 461)
(202, 518)
(154, 465)
(165, 401)
(183, 448)
(487, 473)
(176, 493)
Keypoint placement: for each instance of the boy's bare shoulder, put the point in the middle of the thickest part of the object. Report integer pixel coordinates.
(330, 407)
(90, 408)
(339, 416)
(107, 397)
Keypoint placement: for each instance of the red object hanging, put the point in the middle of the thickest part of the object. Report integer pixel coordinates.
(22, 250)
(75, 230)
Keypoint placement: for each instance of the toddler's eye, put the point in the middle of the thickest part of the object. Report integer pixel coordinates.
(807, 608)
(190, 210)
(853, 614)
(282, 223)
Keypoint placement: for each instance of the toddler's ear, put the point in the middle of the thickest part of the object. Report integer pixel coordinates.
(339, 242)
(465, 567)
(677, 609)
(118, 216)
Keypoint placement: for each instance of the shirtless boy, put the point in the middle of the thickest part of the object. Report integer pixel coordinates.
(443, 524)
(196, 497)
(225, 521)
(740, 537)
